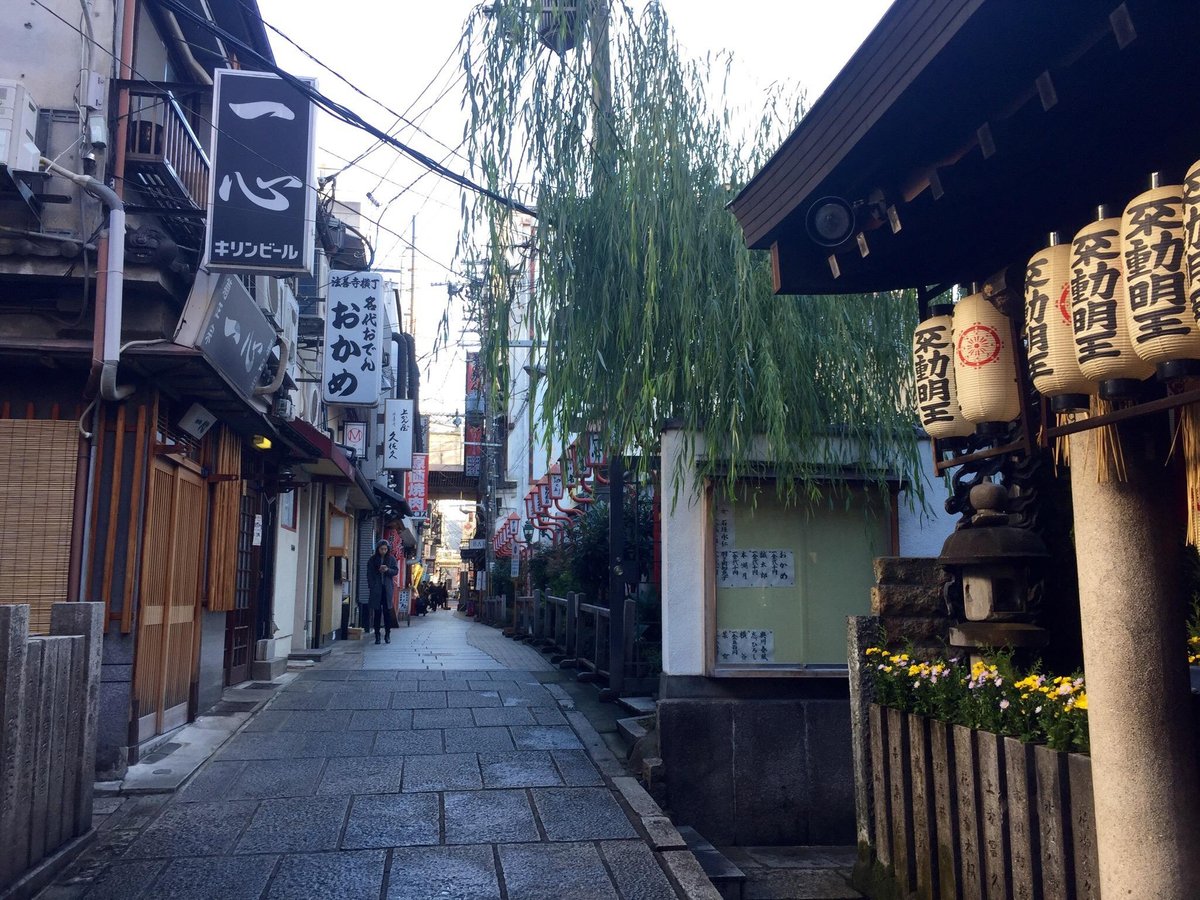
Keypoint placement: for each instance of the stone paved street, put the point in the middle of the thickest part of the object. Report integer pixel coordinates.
(427, 768)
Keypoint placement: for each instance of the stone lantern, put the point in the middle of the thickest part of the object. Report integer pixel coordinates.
(994, 567)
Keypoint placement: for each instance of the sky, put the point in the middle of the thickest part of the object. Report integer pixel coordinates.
(404, 55)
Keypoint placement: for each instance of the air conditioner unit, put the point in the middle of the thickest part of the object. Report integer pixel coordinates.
(18, 128)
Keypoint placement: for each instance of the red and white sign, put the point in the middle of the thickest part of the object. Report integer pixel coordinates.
(417, 484)
(356, 437)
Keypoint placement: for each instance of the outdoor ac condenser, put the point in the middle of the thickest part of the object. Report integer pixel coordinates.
(18, 128)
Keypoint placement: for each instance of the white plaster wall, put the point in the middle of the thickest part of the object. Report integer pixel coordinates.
(923, 531)
(302, 582)
(684, 525)
(284, 601)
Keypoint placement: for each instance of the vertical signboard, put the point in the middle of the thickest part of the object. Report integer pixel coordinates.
(474, 385)
(237, 337)
(416, 492)
(398, 434)
(353, 372)
(261, 200)
(356, 437)
(473, 450)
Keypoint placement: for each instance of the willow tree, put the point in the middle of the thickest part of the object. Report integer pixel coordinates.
(647, 305)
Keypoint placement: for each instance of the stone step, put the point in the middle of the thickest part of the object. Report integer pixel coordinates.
(310, 655)
(639, 706)
(727, 878)
(634, 728)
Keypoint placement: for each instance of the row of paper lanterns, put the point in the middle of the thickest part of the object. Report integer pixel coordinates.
(1103, 313)
(567, 478)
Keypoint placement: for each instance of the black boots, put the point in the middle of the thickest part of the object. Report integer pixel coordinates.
(377, 637)
(387, 637)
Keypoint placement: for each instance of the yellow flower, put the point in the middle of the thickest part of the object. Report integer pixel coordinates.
(1081, 701)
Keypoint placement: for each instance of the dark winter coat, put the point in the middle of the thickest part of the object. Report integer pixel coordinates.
(379, 585)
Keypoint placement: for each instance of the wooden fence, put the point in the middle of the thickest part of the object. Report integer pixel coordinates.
(960, 814)
(49, 697)
(573, 633)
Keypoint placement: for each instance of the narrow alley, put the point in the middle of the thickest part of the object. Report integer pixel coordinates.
(436, 766)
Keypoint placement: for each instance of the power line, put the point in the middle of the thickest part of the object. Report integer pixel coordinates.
(344, 113)
(336, 74)
(210, 123)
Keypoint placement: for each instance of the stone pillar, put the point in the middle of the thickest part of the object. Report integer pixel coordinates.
(1144, 769)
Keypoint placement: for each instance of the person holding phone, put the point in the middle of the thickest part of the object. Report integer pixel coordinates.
(381, 569)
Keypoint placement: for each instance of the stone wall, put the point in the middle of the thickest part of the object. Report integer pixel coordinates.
(907, 598)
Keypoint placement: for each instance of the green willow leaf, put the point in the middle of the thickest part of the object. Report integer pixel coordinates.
(647, 303)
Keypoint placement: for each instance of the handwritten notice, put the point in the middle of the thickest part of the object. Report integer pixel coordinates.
(756, 569)
(723, 527)
(738, 646)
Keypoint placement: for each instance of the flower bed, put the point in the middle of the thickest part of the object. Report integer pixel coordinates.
(1034, 708)
(975, 790)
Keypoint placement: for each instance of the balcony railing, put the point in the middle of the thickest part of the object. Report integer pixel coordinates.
(164, 159)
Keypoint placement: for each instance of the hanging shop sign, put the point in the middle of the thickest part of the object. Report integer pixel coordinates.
(261, 202)
(985, 367)
(1049, 335)
(355, 434)
(1163, 329)
(472, 450)
(933, 367)
(417, 484)
(353, 372)
(1103, 346)
(398, 434)
(474, 398)
(236, 338)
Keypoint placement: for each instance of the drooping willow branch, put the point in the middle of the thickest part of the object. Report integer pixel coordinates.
(646, 302)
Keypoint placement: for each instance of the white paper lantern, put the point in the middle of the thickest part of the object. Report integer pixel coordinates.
(933, 368)
(985, 366)
(1050, 340)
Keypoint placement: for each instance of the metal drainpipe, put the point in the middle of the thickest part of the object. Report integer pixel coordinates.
(400, 388)
(414, 391)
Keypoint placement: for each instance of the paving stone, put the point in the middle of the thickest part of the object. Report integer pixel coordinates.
(373, 675)
(380, 720)
(519, 769)
(295, 825)
(299, 700)
(477, 740)
(526, 695)
(393, 820)
(545, 737)
(636, 871)
(360, 700)
(227, 877)
(315, 720)
(405, 684)
(548, 717)
(336, 743)
(448, 772)
(419, 700)
(801, 884)
(192, 829)
(211, 782)
(121, 880)
(442, 718)
(444, 873)
(267, 720)
(581, 814)
(361, 775)
(258, 745)
(443, 684)
(473, 699)
(576, 768)
(345, 874)
(554, 871)
(487, 684)
(489, 817)
(325, 675)
(407, 743)
(277, 778)
(503, 716)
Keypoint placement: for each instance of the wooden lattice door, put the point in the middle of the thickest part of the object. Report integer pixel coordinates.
(169, 608)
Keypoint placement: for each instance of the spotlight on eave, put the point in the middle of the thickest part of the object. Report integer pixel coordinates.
(830, 222)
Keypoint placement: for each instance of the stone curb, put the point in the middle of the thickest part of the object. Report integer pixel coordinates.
(664, 838)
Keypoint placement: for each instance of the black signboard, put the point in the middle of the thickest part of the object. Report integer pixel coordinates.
(261, 200)
(237, 337)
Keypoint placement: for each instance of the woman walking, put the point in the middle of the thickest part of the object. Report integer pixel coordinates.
(381, 569)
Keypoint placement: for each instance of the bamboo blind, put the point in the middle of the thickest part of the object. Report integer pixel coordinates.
(37, 494)
(226, 464)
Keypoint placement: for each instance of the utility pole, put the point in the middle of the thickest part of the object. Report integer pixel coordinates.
(412, 283)
(602, 92)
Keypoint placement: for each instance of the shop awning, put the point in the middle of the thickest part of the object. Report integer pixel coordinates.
(391, 499)
(324, 460)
